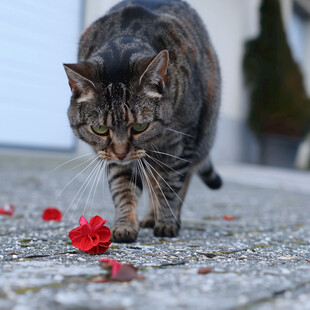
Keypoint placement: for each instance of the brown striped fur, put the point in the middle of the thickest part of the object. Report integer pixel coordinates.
(148, 62)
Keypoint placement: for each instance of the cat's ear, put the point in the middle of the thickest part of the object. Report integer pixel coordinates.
(80, 76)
(156, 71)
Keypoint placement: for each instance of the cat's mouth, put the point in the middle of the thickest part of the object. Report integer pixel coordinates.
(123, 159)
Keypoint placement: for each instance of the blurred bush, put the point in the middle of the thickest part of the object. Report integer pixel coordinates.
(278, 100)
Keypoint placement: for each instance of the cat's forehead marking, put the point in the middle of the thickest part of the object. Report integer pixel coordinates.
(118, 111)
(117, 92)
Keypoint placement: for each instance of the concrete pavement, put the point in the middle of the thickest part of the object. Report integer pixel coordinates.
(259, 260)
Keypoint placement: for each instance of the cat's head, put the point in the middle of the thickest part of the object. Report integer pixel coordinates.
(121, 117)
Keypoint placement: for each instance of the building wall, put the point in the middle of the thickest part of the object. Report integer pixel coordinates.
(36, 38)
(230, 24)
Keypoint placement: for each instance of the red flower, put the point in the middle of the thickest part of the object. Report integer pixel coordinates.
(92, 237)
(115, 265)
(52, 214)
(7, 210)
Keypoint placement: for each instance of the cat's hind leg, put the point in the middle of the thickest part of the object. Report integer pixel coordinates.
(149, 220)
(209, 176)
(168, 220)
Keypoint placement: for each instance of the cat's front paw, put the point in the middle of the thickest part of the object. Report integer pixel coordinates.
(124, 233)
(147, 222)
(166, 230)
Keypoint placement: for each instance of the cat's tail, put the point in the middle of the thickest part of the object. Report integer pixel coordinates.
(209, 176)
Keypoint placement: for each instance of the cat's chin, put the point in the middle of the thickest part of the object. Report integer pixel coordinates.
(122, 162)
(119, 162)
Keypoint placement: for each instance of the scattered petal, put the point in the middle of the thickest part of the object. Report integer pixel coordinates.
(52, 214)
(91, 237)
(204, 270)
(228, 217)
(107, 263)
(7, 210)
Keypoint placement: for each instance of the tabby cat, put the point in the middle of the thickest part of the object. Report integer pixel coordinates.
(146, 95)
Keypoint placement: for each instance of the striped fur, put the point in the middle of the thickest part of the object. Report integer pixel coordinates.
(148, 62)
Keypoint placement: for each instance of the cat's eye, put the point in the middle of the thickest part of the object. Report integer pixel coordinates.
(100, 130)
(140, 127)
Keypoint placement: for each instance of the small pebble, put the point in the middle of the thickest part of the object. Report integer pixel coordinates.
(80, 259)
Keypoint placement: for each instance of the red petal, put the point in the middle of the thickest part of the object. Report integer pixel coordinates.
(74, 233)
(7, 210)
(228, 217)
(99, 249)
(95, 239)
(83, 220)
(92, 250)
(96, 222)
(86, 243)
(52, 214)
(95, 250)
(95, 219)
(86, 230)
(76, 242)
(104, 234)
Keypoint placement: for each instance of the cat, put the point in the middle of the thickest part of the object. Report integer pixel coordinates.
(146, 96)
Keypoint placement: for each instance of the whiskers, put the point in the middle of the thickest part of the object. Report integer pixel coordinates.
(96, 179)
(94, 168)
(170, 155)
(180, 132)
(69, 161)
(162, 164)
(89, 165)
(152, 177)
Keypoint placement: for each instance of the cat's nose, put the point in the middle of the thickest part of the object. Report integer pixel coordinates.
(120, 156)
(120, 150)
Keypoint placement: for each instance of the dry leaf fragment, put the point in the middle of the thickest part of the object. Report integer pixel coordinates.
(126, 273)
(119, 272)
(204, 270)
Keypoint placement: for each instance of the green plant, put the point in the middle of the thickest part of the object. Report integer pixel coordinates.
(278, 100)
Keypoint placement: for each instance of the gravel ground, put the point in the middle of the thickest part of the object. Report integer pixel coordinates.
(259, 260)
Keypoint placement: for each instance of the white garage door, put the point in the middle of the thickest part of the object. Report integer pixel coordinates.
(36, 37)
